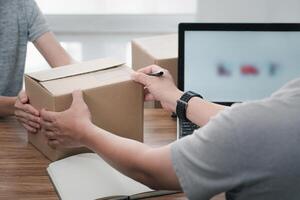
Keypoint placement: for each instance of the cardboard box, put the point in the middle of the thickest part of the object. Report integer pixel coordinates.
(115, 101)
(159, 50)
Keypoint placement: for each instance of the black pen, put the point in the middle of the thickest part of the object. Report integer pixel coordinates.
(157, 74)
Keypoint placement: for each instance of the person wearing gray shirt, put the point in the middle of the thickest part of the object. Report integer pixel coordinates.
(21, 21)
(249, 151)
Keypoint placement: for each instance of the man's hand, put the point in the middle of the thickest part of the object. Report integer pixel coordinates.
(67, 128)
(162, 89)
(27, 115)
(73, 127)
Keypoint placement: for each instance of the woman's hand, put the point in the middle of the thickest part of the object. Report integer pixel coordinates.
(67, 128)
(162, 88)
(27, 115)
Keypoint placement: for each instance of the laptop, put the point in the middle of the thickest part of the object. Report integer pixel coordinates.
(231, 62)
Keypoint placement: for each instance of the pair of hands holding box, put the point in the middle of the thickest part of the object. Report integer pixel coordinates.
(67, 128)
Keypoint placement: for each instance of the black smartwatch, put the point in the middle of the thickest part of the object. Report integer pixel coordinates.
(182, 103)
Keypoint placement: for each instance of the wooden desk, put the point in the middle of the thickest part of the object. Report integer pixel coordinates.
(23, 168)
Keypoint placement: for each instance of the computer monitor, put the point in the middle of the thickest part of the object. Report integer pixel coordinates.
(228, 63)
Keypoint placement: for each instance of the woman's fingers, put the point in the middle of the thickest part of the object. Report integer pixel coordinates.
(23, 97)
(28, 122)
(29, 128)
(26, 108)
(30, 109)
(27, 116)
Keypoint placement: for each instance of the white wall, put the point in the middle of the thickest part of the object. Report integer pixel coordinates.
(97, 45)
(88, 37)
(87, 46)
(117, 6)
(94, 36)
(248, 10)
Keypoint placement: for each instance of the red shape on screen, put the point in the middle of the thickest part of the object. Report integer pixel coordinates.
(249, 70)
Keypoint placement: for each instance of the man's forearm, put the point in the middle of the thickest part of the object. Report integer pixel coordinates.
(200, 111)
(7, 106)
(123, 154)
(134, 159)
(151, 166)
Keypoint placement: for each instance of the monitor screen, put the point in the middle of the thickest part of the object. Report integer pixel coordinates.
(236, 66)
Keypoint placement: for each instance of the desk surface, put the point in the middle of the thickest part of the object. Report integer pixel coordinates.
(23, 168)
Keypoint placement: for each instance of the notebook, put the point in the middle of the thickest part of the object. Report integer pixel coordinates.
(87, 176)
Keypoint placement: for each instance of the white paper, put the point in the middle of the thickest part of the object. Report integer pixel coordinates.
(87, 176)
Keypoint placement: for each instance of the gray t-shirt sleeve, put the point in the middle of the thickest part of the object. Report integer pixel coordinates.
(249, 151)
(37, 24)
(207, 162)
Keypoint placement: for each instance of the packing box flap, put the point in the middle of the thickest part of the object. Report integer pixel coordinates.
(82, 76)
(87, 81)
(159, 47)
(75, 69)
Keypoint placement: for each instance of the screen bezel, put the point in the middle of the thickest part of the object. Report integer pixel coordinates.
(183, 27)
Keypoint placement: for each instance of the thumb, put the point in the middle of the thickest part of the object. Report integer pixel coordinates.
(140, 77)
(48, 115)
(77, 98)
(23, 97)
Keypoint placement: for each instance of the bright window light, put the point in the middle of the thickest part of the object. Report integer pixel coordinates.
(88, 7)
(36, 62)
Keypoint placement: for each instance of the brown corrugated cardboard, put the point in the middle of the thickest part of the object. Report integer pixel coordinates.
(159, 50)
(115, 101)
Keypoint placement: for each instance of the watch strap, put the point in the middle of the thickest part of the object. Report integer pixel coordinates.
(182, 103)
